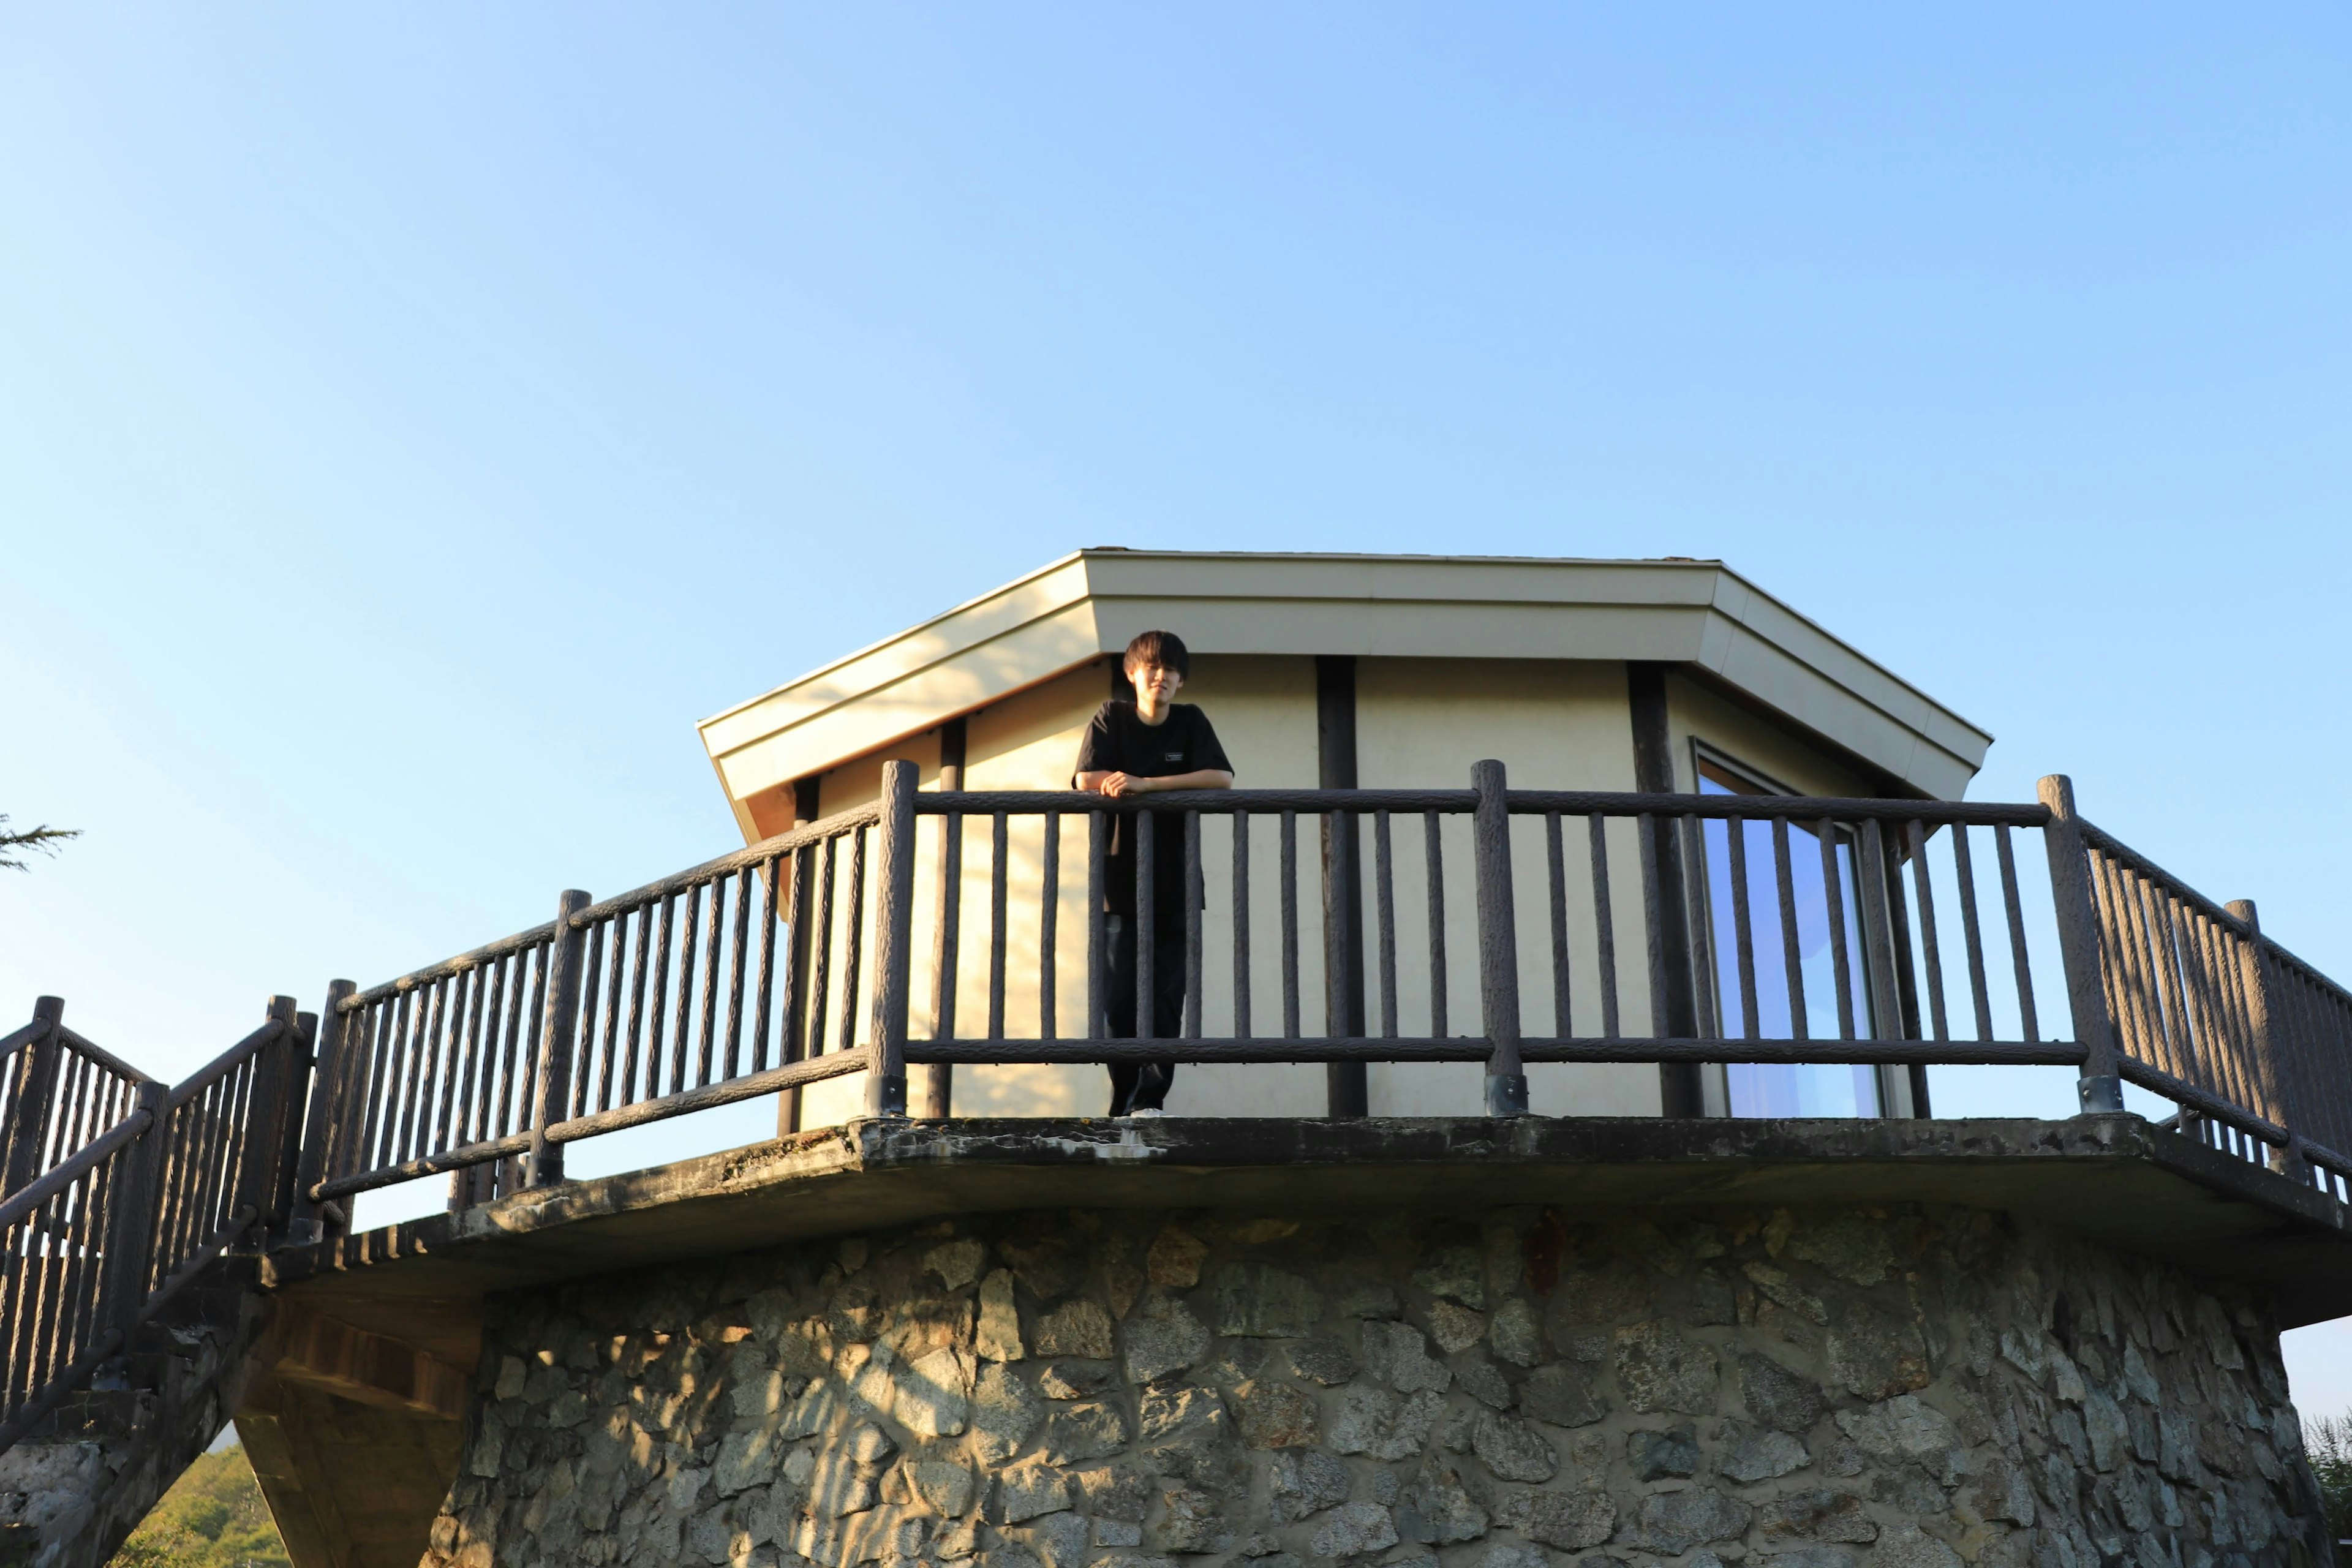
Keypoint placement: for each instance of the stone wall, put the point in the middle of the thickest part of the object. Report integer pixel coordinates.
(1891, 1387)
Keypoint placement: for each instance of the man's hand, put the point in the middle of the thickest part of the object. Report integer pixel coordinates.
(1115, 784)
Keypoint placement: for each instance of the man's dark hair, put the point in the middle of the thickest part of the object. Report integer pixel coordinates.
(1165, 649)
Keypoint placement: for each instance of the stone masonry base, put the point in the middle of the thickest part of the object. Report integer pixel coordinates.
(1517, 1388)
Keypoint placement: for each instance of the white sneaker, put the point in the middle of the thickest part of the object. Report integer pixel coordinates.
(1148, 1110)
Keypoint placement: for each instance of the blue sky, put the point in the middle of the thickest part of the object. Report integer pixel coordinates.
(411, 421)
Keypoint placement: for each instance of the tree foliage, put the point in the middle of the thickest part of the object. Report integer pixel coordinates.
(41, 840)
(2327, 1443)
(214, 1517)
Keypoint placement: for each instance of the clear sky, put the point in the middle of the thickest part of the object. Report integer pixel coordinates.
(412, 420)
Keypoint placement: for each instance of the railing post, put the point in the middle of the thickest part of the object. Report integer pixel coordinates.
(135, 1202)
(323, 1112)
(2274, 1069)
(558, 1023)
(894, 924)
(298, 1057)
(260, 1139)
(1499, 943)
(36, 1083)
(2100, 1086)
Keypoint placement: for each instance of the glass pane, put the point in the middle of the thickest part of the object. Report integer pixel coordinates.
(1784, 1089)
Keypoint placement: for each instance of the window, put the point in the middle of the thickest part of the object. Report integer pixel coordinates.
(1782, 1089)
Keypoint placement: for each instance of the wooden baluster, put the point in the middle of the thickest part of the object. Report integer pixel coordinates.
(1049, 928)
(1241, 926)
(1384, 876)
(1556, 863)
(938, 1093)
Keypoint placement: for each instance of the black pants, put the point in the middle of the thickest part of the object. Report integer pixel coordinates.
(1143, 1086)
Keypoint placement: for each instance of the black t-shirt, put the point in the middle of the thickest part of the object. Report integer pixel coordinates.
(1118, 741)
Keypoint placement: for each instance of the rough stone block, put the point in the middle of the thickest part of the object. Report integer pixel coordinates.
(1907, 1546)
(1562, 1395)
(1674, 1522)
(943, 1486)
(1458, 1273)
(1277, 1416)
(1746, 1455)
(1026, 1490)
(1305, 1483)
(928, 1397)
(998, 1335)
(1654, 1456)
(1061, 1540)
(1325, 1360)
(747, 1459)
(1440, 1505)
(1375, 1422)
(1565, 1520)
(1821, 1514)
(1512, 1449)
(1661, 1371)
(1175, 1258)
(1003, 1413)
(1073, 1380)
(1456, 1329)
(957, 1263)
(1163, 1336)
(1088, 1431)
(1874, 1356)
(1265, 1302)
(1905, 1429)
(1189, 1521)
(1113, 1493)
(1778, 1399)
(1482, 1382)
(1516, 1333)
(1079, 1328)
(1190, 1413)
(1396, 1353)
(1354, 1528)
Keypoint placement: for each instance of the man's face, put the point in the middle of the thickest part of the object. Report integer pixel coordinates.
(1156, 685)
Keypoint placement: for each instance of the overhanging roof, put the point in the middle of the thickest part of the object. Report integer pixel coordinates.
(1089, 604)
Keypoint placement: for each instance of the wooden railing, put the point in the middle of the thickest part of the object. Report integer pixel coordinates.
(929, 933)
(140, 1185)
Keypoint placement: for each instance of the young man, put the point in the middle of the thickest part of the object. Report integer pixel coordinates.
(1142, 747)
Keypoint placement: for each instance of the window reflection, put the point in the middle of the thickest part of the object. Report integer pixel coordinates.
(1783, 1089)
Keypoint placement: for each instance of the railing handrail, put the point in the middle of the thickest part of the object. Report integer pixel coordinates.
(75, 1166)
(505, 947)
(221, 1066)
(728, 865)
(2108, 844)
(101, 1056)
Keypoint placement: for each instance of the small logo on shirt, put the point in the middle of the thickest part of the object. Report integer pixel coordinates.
(1173, 757)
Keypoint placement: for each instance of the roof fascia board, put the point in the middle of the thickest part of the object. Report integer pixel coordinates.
(1036, 597)
(1091, 603)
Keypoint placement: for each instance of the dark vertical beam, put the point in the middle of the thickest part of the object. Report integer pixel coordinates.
(1347, 1086)
(1679, 1083)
